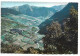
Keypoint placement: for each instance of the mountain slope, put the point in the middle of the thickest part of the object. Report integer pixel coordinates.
(59, 16)
(59, 7)
(35, 11)
(15, 33)
(6, 11)
(21, 18)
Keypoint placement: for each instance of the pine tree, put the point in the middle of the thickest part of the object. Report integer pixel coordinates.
(71, 30)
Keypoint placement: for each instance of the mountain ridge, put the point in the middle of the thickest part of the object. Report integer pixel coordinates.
(34, 10)
(9, 11)
(59, 16)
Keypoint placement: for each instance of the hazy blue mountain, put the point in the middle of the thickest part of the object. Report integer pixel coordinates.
(59, 7)
(6, 11)
(35, 11)
(21, 18)
(33, 15)
(58, 16)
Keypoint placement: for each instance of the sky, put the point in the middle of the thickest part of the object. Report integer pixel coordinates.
(39, 4)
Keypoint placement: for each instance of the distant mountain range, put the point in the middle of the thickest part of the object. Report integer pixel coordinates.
(58, 16)
(59, 7)
(34, 11)
(6, 11)
(29, 15)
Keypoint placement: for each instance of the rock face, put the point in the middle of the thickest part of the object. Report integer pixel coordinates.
(58, 16)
